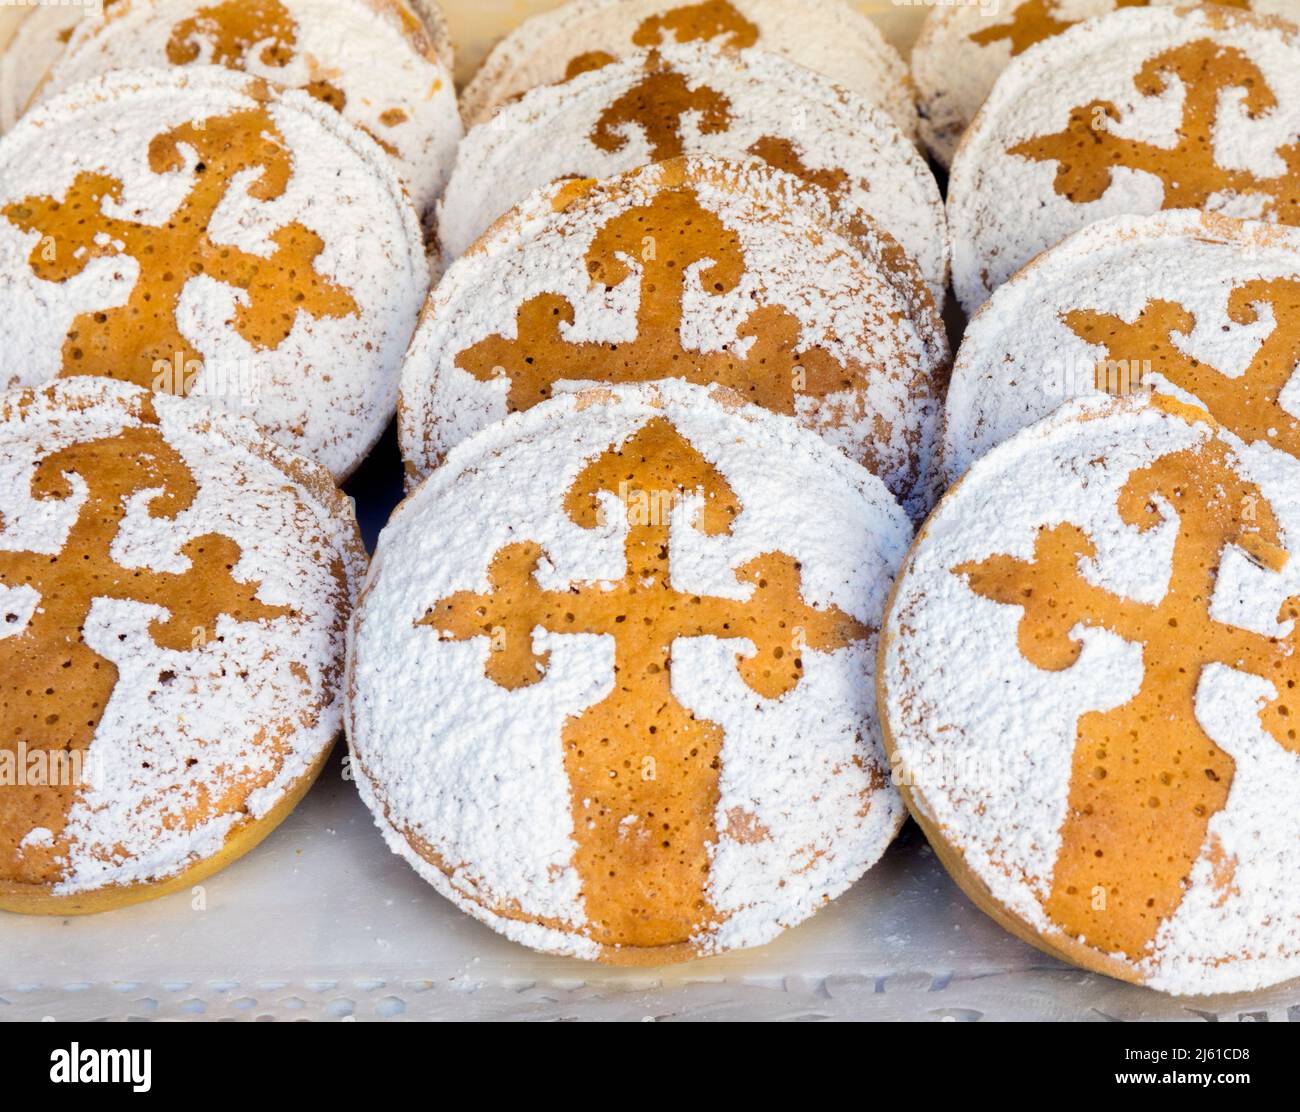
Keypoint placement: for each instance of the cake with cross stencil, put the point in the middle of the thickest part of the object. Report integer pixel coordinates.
(195, 232)
(372, 61)
(826, 36)
(1198, 306)
(963, 48)
(701, 99)
(606, 679)
(174, 594)
(1141, 110)
(710, 271)
(1117, 781)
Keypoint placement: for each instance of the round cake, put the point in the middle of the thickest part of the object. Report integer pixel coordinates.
(607, 683)
(701, 99)
(1138, 111)
(174, 593)
(710, 271)
(193, 231)
(1198, 306)
(372, 61)
(1086, 681)
(826, 36)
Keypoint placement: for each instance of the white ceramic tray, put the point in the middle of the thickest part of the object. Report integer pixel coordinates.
(322, 922)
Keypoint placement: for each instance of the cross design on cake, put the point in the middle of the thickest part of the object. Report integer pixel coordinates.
(55, 688)
(606, 746)
(1089, 150)
(657, 104)
(233, 29)
(1036, 20)
(1250, 404)
(767, 364)
(711, 20)
(663, 98)
(129, 341)
(1146, 777)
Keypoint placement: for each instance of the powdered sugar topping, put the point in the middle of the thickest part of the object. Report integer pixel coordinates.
(825, 36)
(249, 702)
(846, 302)
(1020, 358)
(364, 56)
(37, 43)
(989, 752)
(742, 104)
(455, 772)
(329, 388)
(960, 53)
(1096, 64)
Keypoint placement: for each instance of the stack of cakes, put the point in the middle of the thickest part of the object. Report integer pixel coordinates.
(667, 420)
(652, 662)
(668, 424)
(1114, 779)
(211, 264)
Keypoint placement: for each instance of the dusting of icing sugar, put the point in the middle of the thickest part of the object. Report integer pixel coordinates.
(996, 230)
(825, 36)
(746, 103)
(476, 776)
(391, 82)
(39, 837)
(960, 53)
(988, 752)
(329, 389)
(850, 299)
(249, 703)
(36, 45)
(963, 49)
(1020, 358)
